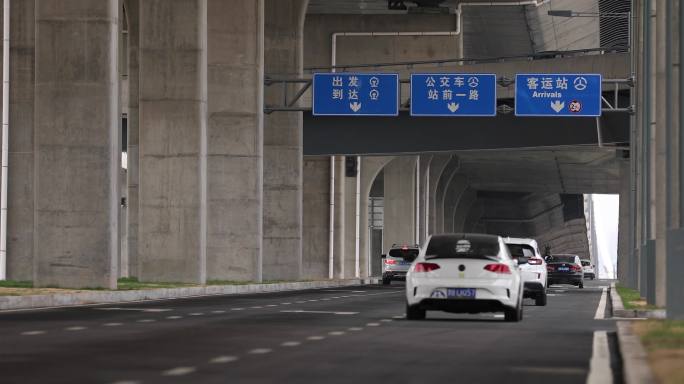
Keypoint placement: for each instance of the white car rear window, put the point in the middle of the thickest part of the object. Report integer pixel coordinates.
(462, 247)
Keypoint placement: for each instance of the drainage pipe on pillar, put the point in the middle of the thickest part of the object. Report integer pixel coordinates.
(357, 245)
(417, 232)
(426, 209)
(331, 240)
(646, 123)
(5, 138)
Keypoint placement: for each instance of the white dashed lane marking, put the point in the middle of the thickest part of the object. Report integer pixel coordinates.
(76, 328)
(197, 314)
(285, 303)
(260, 351)
(336, 333)
(290, 344)
(174, 317)
(272, 305)
(355, 329)
(179, 371)
(32, 333)
(237, 309)
(373, 324)
(223, 359)
(320, 312)
(315, 338)
(146, 321)
(112, 324)
(386, 320)
(217, 312)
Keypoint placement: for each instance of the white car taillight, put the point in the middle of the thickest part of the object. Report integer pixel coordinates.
(426, 267)
(498, 268)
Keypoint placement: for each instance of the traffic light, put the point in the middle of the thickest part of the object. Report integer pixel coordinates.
(350, 166)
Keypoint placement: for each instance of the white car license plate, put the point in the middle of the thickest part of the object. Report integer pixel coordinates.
(461, 293)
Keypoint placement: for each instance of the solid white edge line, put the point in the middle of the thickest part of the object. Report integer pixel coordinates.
(601, 310)
(600, 371)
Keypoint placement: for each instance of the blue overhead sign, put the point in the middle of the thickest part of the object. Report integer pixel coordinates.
(351, 94)
(558, 94)
(453, 94)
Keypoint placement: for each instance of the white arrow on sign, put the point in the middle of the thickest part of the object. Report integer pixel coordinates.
(557, 105)
(355, 106)
(453, 107)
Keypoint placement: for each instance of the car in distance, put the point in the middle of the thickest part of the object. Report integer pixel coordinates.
(565, 269)
(534, 272)
(397, 262)
(589, 269)
(464, 273)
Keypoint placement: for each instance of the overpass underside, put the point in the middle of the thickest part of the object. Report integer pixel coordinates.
(216, 189)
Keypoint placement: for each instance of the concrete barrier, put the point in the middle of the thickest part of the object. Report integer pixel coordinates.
(108, 297)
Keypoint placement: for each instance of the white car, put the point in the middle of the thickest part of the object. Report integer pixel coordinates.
(588, 269)
(464, 273)
(534, 273)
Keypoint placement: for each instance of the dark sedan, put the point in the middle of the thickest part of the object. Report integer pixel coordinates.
(565, 269)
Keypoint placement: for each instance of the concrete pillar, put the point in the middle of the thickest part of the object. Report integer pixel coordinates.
(624, 261)
(133, 162)
(399, 218)
(675, 257)
(77, 151)
(20, 194)
(173, 140)
(235, 128)
(370, 169)
(661, 142)
(316, 220)
(453, 194)
(349, 258)
(423, 207)
(440, 192)
(466, 201)
(283, 147)
(436, 170)
(340, 224)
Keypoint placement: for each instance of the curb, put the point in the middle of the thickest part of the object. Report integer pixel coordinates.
(634, 359)
(620, 311)
(108, 297)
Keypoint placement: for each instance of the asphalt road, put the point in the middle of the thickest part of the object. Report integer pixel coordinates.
(344, 335)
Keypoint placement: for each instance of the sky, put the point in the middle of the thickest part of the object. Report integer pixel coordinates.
(606, 214)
